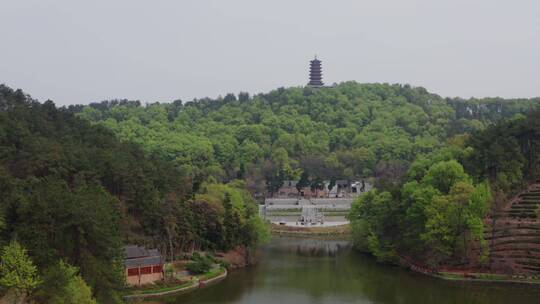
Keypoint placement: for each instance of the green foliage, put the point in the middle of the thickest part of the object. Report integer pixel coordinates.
(440, 210)
(79, 225)
(354, 126)
(219, 217)
(480, 199)
(507, 153)
(483, 112)
(273, 183)
(439, 234)
(446, 207)
(416, 198)
(303, 182)
(350, 131)
(200, 264)
(443, 175)
(232, 223)
(259, 231)
(435, 217)
(361, 232)
(373, 219)
(63, 284)
(17, 271)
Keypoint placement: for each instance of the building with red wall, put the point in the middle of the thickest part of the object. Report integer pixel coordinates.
(142, 266)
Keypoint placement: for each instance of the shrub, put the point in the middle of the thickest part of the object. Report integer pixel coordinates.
(199, 264)
(224, 264)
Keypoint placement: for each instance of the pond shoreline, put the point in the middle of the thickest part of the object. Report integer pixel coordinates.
(310, 269)
(469, 276)
(194, 285)
(495, 278)
(344, 231)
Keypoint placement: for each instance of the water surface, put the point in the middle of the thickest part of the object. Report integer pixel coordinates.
(310, 271)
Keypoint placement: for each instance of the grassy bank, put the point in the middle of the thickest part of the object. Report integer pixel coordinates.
(165, 289)
(213, 273)
(487, 277)
(157, 288)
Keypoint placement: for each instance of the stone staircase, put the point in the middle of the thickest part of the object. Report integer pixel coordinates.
(513, 235)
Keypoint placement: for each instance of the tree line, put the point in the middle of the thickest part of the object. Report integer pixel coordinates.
(350, 131)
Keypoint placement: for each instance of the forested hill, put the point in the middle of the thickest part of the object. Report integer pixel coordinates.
(71, 194)
(348, 131)
(438, 215)
(77, 183)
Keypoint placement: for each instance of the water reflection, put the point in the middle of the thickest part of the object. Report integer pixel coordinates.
(321, 271)
(312, 247)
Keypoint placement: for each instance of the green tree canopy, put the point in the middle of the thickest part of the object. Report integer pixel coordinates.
(17, 271)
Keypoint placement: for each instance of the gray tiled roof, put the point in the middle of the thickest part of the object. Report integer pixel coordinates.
(138, 256)
(153, 252)
(142, 262)
(134, 251)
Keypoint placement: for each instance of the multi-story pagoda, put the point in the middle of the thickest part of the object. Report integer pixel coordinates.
(315, 73)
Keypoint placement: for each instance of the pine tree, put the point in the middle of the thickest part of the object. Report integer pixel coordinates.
(17, 271)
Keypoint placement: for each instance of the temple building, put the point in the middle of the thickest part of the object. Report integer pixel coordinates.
(142, 266)
(315, 73)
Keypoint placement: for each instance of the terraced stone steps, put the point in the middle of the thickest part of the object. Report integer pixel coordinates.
(510, 227)
(530, 241)
(516, 255)
(518, 212)
(531, 192)
(517, 234)
(529, 200)
(511, 231)
(523, 206)
(522, 247)
(530, 265)
(513, 235)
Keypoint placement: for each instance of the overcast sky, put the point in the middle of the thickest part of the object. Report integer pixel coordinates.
(84, 51)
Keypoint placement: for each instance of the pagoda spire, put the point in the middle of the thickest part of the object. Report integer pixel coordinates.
(315, 73)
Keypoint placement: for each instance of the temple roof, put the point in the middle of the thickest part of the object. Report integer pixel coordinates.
(142, 262)
(138, 256)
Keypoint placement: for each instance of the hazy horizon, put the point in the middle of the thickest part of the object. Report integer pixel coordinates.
(76, 53)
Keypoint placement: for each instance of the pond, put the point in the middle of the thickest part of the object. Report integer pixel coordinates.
(302, 271)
